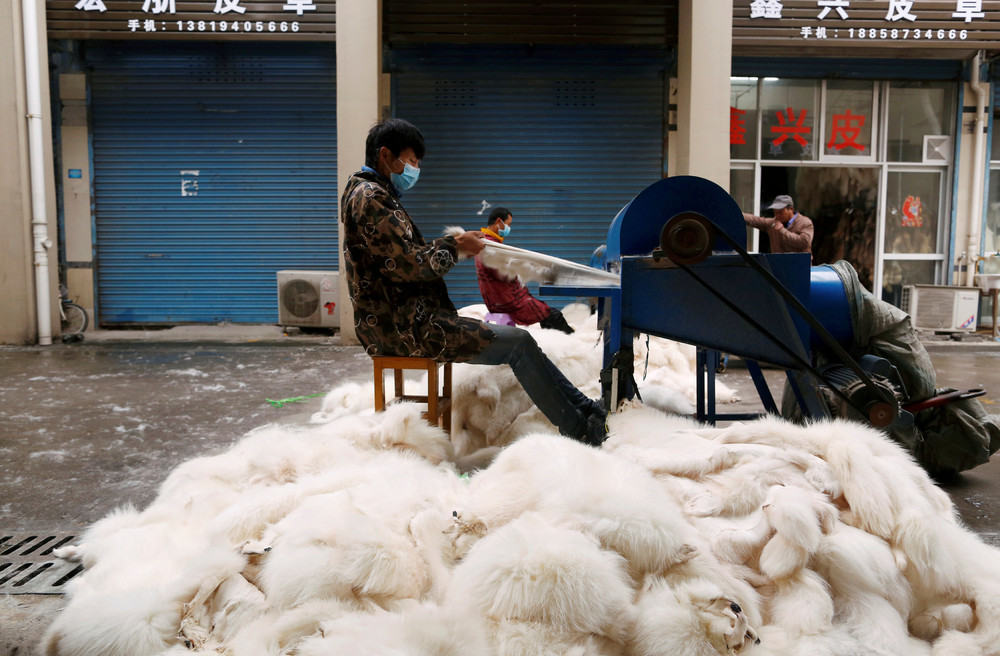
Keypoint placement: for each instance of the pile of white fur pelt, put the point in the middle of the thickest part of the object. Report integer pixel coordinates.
(490, 409)
(359, 536)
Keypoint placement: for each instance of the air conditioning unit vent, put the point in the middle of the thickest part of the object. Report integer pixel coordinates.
(308, 299)
(941, 308)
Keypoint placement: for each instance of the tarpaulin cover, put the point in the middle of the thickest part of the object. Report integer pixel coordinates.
(944, 439)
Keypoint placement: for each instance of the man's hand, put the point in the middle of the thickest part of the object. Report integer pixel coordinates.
(470, 243)
(776, 226)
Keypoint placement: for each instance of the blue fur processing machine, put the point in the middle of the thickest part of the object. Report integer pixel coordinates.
(680, 250)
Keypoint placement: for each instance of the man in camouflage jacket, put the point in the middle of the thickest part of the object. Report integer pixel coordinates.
(401, 304)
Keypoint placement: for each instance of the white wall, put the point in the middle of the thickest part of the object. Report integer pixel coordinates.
(18, 319)
(359, 73)
(700, 146)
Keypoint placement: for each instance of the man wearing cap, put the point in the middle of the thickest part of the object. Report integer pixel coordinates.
(789, 231)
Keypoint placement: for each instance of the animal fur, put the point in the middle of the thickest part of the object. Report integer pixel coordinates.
(358, 535)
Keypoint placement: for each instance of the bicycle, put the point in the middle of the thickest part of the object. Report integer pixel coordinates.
(74, 317)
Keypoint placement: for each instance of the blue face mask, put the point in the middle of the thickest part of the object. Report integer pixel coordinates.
(406, 179)
(504, 231)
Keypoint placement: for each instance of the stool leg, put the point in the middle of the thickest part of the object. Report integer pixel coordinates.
(432, 393)
(379, 388)
(397, 375)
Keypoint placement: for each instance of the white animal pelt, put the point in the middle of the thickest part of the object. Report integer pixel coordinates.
(359, 536)
(143, 571)
(694, 617)
(606, 497)
(426, 629)
(490, 409)
(131, 600)
(525, 270)
(544, 587)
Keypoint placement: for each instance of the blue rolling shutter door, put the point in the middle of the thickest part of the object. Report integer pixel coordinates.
(564, 138)
(214, 167)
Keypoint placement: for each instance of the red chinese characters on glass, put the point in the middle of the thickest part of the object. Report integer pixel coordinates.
(737, 131)
(845, 131)
(790, 125)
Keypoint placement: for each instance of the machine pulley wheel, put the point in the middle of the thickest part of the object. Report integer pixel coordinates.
(687, 238)
(881, 414)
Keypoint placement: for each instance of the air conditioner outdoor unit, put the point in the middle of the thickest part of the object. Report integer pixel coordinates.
(308, 298)
(941, 308)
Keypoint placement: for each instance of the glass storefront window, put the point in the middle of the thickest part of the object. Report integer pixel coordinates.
(848, 119)
(991, 237)
(869, 161)
(913, 207)
(896, 274)
(742, 117)
(741, 188)
(917, 110)
(788, 119)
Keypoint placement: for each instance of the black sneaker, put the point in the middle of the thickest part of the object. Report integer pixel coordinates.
(596, 428)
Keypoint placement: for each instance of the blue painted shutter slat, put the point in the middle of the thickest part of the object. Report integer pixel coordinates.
(258, 124)
(563, 137)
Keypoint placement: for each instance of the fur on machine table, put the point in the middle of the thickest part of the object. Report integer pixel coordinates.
(359, 535)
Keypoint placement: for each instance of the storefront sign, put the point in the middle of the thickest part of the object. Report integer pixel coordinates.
(737, 126)
(845, 130)
(790, 124)
(216, 20)
(761, 26)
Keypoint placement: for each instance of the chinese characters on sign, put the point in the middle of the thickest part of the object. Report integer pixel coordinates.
(792, 127)
(221, 6)
(900, 13)
(206, 16)
(91, 5)
(765, 9)
(827, 5)
(900, 10)
(846, 129)
(844, 133)
(737, 123)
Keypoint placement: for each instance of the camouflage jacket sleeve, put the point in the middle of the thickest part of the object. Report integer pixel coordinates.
(393, 243)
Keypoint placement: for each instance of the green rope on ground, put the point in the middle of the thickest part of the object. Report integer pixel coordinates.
(278, 404)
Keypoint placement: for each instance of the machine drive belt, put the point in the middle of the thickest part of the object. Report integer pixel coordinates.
(686, 240)
(814, 323)
(805, 364)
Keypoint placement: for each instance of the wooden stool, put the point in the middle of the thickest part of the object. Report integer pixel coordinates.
(438, 405)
